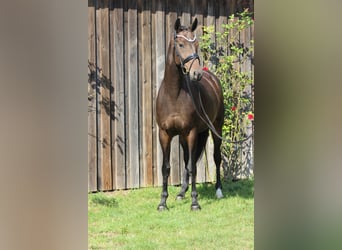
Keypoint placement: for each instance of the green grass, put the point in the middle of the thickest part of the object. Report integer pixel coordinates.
(130, 220)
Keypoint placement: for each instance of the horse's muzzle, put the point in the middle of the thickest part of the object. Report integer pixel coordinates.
(196, 75)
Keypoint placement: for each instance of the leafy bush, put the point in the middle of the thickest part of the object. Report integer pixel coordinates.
(227, 55)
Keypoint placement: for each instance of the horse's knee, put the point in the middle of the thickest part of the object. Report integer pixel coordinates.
(189, 169)
(166, 170)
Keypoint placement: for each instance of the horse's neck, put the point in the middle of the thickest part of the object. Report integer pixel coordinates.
(172, 77)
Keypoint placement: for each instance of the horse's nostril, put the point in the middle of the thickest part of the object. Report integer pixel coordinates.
(199, 76)
(196, 76)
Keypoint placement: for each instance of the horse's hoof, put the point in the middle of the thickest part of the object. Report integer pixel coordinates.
(180, 197)
(219, 193)
(162, 208)
(195, 207)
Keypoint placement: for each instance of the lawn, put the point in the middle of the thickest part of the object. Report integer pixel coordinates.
(129, 219)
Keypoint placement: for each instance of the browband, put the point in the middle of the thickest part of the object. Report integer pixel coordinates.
(188, 39)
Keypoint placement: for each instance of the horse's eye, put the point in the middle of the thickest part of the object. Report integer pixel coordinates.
(181, 45)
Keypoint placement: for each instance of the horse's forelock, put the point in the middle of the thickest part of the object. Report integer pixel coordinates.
(182, 28)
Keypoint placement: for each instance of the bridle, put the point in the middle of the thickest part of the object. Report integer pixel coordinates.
(192, 57)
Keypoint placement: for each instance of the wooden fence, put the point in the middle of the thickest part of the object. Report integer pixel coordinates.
(127, 42)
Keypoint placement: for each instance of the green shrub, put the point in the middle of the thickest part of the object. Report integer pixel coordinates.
(226, 55)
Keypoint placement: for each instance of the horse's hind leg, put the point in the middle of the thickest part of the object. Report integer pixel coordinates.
(165, 141)
(201, 141)
(217, 159)
(192, 140)
(189, 142)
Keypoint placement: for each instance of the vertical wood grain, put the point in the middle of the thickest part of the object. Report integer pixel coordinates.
(104, 144)
(132, 94)
(145, 80)
(118, 94)
(159, 53)
(92, 135)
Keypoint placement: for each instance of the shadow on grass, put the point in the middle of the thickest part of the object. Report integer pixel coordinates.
(103, 200)
(241, 188)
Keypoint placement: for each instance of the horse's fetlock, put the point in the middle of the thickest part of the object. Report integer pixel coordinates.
(164, 195)
(194, 194)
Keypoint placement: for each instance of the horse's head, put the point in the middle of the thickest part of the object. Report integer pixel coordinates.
(186, 48)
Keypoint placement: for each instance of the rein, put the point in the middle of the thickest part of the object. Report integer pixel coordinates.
(206, 119)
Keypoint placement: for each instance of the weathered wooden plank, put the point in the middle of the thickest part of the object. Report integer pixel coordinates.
(234, 36)
(92, 135)
(221, 13)
(132, 93)
(209, 19)
(184, 12)
(112, 97)
(155, 139)
(158, 53)
(118, 139)
(104, 145)
(145, 52)
(232, 7)
(192, 8)
(199, 12)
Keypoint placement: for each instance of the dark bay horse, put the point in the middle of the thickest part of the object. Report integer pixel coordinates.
(189, 103)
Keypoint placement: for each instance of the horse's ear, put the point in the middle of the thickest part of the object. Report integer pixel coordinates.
(177, 24)
(194, 25)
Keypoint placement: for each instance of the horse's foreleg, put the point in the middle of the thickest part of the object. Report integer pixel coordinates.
(191, 166)
(165, 141)
(200, 145)
(185, 181)
(194, 194)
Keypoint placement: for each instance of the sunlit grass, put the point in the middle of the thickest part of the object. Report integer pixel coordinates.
(130, 220)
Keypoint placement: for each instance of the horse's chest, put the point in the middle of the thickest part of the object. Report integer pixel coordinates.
(176, 122)
(176, 114)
